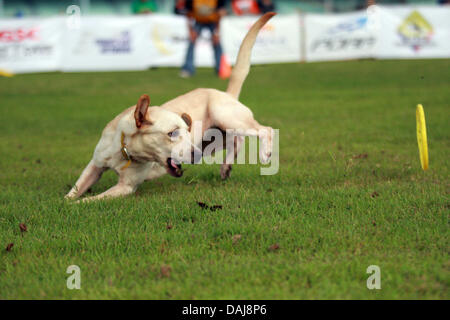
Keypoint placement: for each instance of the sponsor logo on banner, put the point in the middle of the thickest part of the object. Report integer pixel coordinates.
(163, 38)
(116, 45)
(168, 39)
(415, 31)
(345, 36)
(14, 44)
(18, 35)
(349, 26)
(106, 43)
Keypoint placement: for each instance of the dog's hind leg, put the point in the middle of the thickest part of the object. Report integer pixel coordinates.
(91, 174)
(234, 115)
(233, 146)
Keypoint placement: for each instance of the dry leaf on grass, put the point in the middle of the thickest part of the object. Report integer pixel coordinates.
(202, 205)
(212, 208)
(360, 156)
(165, 271)
(274, 247)
(23, 227)
(216, 207)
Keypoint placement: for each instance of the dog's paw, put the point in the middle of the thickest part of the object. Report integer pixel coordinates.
(225, 171)
(265, 157)
(73, 194)
(69, 196)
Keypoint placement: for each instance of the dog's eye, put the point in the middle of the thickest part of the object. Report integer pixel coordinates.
(174, 133)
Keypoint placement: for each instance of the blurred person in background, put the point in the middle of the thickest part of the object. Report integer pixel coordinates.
(365, 4)
(203, 14)
(245, 7)
(266, 6)
(18, 14)
(180, 7)
(143, 6)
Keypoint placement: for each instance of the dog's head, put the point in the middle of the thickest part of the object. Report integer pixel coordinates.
(162, 136)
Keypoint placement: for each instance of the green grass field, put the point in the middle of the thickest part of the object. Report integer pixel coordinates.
(330, 210)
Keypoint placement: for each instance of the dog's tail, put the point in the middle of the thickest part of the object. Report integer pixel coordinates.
(242, 66)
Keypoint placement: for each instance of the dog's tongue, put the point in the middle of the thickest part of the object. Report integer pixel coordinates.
(173, 164)
(174, 168)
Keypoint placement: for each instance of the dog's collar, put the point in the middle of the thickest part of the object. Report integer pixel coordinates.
(125, 152)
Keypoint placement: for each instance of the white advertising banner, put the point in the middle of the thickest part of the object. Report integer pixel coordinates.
(107, 43)
(414, 32)
(168, 36)
(31, 45)
(278, 41)
(339, 36)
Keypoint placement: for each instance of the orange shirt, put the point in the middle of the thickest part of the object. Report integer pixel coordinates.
(205, 11)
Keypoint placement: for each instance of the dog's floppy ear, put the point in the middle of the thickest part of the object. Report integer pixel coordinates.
(141, 110)
(187, 118)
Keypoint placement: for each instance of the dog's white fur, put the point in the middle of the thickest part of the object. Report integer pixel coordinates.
(149, 136)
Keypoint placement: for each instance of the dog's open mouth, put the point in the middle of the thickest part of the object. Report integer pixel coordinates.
(174, 168)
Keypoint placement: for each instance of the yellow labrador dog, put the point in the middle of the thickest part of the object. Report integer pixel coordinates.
(139, 144)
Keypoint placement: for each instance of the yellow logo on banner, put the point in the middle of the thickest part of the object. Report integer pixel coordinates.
(158, 41)
(415, 30)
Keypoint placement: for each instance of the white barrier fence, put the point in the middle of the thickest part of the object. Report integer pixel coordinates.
(107, 43)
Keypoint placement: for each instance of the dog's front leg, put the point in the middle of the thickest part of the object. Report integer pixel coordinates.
(130, 179)
(119, 190)
(91, 174)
